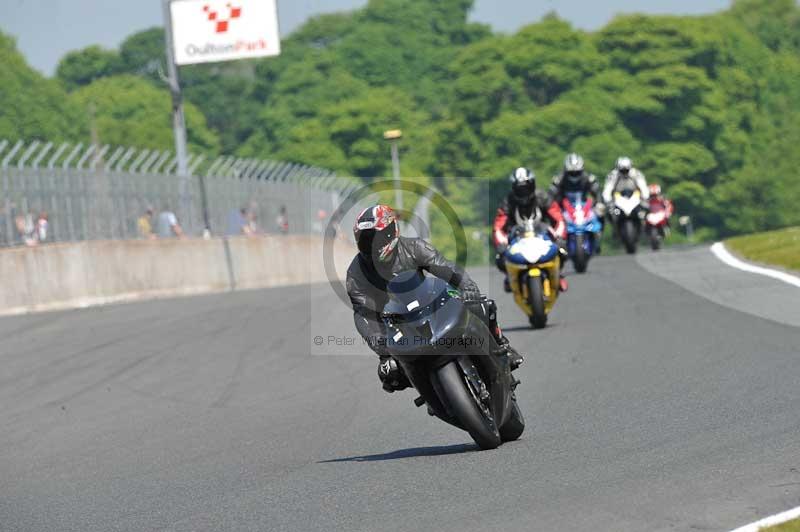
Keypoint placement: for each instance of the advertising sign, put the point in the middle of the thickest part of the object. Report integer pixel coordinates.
(206, 31)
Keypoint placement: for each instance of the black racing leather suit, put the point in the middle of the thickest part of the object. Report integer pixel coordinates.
(366, 284)
(587, 184)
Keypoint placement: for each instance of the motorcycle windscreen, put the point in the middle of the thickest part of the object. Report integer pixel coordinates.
(413, 290)
(423, 311)
(531, 250)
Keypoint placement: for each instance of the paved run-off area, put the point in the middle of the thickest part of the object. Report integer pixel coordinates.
(649, 407)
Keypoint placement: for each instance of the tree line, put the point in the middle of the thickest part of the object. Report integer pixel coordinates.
(708, 106)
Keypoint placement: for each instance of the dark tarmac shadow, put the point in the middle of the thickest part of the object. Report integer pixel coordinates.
(518, 328)
(413, 452)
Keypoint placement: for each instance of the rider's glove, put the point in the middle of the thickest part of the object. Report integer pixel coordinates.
(470, 294)
(392, 375)
(600, 210)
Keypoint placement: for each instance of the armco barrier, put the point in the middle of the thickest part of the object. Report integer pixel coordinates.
(81, 274)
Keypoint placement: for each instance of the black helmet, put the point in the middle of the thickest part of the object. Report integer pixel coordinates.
(377, 233)
(523, 185)
(573, 167)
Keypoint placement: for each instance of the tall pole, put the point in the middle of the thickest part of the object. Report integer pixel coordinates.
(396, 168)
(394, 137)
(178, 118)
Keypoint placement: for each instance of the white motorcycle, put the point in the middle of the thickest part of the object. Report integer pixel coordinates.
(627, 214)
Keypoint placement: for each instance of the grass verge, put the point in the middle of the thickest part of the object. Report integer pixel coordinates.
(789, 526)
(781, 248)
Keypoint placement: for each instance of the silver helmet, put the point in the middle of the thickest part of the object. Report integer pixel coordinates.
(573, 167)
(624, 165)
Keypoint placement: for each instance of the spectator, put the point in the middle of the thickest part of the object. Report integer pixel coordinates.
(145, 225)
(252, 222)
(167, 225)
(282, 221)
(42, 227)
(237, 222)
(318, 225)
(26, 230)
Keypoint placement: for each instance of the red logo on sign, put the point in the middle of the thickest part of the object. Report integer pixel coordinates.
(220, 22)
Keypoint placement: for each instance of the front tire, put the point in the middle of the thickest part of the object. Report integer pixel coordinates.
(629, 236)
(581, 259)
(655, 239)
(515, 426)
(453, 389)
(538, 318)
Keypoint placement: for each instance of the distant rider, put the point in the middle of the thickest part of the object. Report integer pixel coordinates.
(659, 202)
(625, 177)
(573, 178)
(521, 204)
(383, 253)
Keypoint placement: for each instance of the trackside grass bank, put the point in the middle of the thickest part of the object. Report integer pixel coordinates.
(780, 248)
(789, 526)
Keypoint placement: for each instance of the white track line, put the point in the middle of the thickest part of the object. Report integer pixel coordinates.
(773, 520)
(722, 254)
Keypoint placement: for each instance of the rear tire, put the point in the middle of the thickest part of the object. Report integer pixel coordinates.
(629, 236)
(538, 317)
(515, 426)
(453, 386)
(581, 259)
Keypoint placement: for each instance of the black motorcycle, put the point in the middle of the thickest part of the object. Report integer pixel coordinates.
(452, 359)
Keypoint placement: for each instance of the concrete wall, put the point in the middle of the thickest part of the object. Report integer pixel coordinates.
(82, 274)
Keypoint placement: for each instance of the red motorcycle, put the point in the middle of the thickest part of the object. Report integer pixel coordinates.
(657, 220)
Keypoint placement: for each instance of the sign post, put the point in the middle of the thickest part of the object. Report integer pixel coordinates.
(178, 118)
(205, 31)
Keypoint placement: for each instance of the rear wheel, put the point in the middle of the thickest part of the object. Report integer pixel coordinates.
(515, 426)
(629, 236)
(465, 404)
(581, 259)
(538, 316)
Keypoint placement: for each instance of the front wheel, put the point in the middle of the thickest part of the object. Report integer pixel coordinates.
(513, 428)
(629, 236)
(466, 406)
(581, 259)
(655, 238)
(538, 317)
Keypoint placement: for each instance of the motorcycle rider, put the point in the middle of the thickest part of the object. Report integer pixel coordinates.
(658, 201)
(522, 203)
(625, 176)
(382, 254)
(574, 178)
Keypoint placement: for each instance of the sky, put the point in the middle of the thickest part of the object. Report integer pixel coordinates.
(46, 29)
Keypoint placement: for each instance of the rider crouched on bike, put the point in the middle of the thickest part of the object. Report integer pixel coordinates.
(659, 202)
(573, 178)
(521, 204)
(623, 177)
(382, 254)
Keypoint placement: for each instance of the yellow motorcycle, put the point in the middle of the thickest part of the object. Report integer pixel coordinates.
(533, 265)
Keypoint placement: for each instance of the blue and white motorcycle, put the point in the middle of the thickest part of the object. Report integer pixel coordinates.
(583, 229)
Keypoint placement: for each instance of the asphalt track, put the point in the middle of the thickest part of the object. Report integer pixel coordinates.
(648, 407)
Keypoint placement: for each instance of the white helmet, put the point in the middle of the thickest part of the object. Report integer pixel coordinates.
(573, 167)
(624, 165)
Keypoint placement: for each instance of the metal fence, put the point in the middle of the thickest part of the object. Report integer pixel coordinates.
(84, 192)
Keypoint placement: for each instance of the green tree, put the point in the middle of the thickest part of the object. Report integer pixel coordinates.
(33, 107)
(128, 110)
(82, 67)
